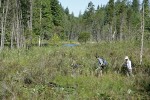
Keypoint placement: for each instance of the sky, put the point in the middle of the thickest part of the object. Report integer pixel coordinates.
(77, 6)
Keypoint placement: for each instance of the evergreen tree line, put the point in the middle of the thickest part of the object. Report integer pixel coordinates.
(27, 22)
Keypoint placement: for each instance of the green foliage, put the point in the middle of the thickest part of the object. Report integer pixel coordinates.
(53, 64)
(42, 18)
(56, 12)
(147, 14)
(88, 14)
(25, 8)
(110, 11)
(135, 15)
(67, 11)
(55, 39)
(129, 14)
(113, 20)
(83, 37)
(135, 6)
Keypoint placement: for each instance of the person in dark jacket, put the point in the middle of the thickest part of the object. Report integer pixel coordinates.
(102, 64)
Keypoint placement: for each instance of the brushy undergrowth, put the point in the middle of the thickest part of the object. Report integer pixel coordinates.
(45, 73)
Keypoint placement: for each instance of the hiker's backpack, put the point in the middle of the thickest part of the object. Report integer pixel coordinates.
(104, 62)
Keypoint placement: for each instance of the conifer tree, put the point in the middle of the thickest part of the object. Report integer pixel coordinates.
(110, 15)
(135, 6)
(146, 4)
(56, 13)
(136, 14)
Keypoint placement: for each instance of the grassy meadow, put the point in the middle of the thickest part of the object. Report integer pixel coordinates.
(45, 73)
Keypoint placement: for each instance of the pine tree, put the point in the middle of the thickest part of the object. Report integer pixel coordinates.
(56, 13)
(67, 11)
(129, 18)
(135, 6)
(110, 15)
(88, 18)
(120, 17)
(147, 14)
(136, 15)
(99, 19)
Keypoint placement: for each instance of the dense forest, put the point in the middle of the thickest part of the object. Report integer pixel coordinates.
(47, 53)
(26, 22)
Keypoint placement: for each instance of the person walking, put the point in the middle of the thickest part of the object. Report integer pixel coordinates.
(101, 66)
(128, 66)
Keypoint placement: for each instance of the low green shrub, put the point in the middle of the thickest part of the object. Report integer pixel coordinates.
(26, 74)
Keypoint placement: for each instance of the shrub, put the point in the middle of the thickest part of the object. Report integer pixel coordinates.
(83, 37)
(55, 39)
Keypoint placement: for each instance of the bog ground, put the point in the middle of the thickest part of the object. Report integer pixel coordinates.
(46, 73)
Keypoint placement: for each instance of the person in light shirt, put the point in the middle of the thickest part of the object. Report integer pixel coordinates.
(128, 66)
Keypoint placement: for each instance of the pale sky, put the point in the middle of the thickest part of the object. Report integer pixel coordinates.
(77, 6)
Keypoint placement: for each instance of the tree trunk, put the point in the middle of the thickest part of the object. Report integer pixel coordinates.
(21, 30)
(3, 24)
(142, 39)
(2, 31)
(17, 32)
(12, 36)
(121, 26)
(40, 25)
(17, 24)
(0, 3)
(30, 23)
(24, 41)
(114, 33)
(13, 28)
(110, 32)
(39, 41)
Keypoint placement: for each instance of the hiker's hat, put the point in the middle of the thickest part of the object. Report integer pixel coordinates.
(126, 57)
